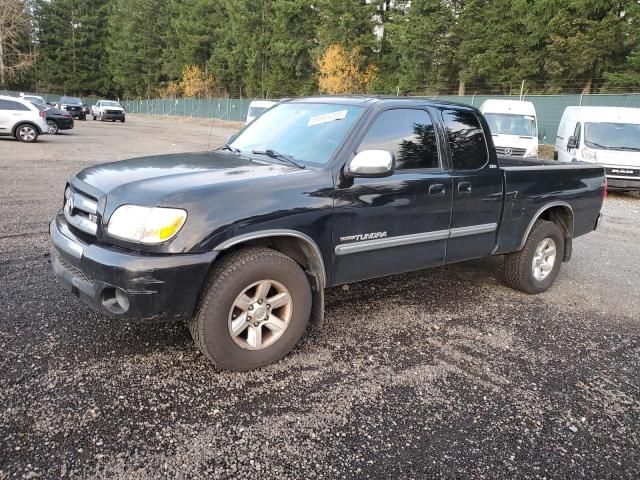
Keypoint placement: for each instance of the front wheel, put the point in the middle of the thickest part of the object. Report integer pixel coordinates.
(536, 266)
(253, 311)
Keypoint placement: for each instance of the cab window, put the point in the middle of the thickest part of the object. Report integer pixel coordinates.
(408, 134)
(466, 140)
(9, 105)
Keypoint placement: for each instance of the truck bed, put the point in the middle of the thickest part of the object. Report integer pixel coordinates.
(532, 185)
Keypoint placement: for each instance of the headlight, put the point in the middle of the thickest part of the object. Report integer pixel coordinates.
(145, 224)
(589, 154)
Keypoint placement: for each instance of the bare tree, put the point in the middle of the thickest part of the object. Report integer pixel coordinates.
(14, 28)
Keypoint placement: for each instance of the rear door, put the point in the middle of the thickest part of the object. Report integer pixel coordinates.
(398, 223)
(477, 187)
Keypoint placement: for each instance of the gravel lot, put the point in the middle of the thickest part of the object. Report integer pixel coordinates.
(440, 373)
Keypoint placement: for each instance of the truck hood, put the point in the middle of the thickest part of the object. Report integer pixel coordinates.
(146, 180)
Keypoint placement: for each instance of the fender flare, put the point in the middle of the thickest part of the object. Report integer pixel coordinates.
(541, 210)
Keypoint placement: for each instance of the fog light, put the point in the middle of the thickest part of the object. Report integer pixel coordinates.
(115, 300)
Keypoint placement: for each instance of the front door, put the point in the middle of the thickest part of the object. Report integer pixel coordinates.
(477, 187)
(397, 223)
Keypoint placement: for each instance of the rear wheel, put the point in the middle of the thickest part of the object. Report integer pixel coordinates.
(27, 133)
(536, 266)
(53, 127)
(253, 311)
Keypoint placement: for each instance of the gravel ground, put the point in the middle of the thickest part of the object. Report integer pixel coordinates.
(440, 373)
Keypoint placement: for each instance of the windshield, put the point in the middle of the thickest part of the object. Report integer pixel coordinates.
(256, 111)
(40, 106)
(108, 103)
(612, 136)
(71, 101)
(510, 124)
(33, 99)
(309, 132)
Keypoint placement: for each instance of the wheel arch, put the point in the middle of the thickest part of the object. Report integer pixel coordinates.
(26, 122)
(299, 247)
(560, 213)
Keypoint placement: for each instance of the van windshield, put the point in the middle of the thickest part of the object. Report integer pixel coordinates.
(510, 124)
(255, 112)
(612, 136)
(308, 132)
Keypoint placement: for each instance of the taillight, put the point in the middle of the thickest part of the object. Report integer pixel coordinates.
(43, 115)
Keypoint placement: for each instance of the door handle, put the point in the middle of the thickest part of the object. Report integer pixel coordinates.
(464, 187)
(437, 189)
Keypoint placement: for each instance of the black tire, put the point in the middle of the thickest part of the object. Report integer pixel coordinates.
(518, 266)
(53, 127)
(94, 117)
(122, 120)
(20, 133)
(210, 324)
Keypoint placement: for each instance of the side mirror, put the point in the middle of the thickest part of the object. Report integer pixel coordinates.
(572, 142)
(371, 164)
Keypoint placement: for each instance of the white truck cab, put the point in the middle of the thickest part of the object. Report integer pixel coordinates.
(513, 125)
(257, 108)
(608, 136)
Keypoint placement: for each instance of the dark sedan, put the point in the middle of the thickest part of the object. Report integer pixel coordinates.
(56, 119)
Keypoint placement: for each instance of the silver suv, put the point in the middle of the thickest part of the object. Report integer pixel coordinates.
(21, 119)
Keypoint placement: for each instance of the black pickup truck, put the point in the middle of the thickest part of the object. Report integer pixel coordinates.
(242, 241)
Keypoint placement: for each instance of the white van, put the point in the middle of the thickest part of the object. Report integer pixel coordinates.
(513, 125)
(257, 108)
(608, 136)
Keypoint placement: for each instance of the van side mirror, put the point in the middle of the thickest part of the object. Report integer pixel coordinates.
(572, 142)
(371, 164)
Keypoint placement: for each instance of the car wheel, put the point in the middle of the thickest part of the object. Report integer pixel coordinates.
(94, 118)
(536, 266)
(122, 120)
(27, 133)
(253, 310)
(53, 127)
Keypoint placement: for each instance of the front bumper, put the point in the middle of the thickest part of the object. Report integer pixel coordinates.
(623, 183)
(158, 287)
(113, 116)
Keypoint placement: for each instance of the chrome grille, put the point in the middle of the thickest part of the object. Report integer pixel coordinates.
(623, 172)
(512, 152)
(81, 212)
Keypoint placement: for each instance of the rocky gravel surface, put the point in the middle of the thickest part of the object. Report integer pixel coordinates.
(444, 373)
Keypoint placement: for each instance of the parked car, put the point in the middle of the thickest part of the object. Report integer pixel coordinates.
(316, 192)
(73, 105)
(21, 119)
(514, 127)
(608, 136)
(257, 108)
(108, 110)
(33, 98)
(86, 109)
(56, 119)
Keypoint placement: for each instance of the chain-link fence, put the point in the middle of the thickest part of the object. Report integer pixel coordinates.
(549, 108)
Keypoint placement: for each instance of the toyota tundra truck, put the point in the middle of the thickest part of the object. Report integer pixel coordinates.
(108, 110)
(242, 241)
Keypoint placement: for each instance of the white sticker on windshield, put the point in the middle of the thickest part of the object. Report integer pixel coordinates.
(528, 117)
(326, 118)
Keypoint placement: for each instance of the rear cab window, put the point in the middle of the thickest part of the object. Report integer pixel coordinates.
(467, 143)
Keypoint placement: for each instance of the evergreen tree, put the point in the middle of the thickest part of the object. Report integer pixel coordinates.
(137, 41)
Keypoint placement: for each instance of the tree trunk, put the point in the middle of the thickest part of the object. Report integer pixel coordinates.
(461, 88)
(587, 87)
(2, 77)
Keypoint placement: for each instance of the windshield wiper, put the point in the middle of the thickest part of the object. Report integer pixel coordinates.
(279, 156)
(226, 146)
